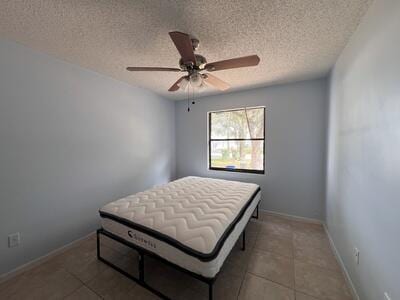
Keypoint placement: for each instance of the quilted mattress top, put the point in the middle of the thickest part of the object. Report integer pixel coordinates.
(192, 212)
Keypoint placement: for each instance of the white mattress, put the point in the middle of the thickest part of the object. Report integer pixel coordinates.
(193, 222)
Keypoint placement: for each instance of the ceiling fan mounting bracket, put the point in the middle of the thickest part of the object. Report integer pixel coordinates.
(195, 43)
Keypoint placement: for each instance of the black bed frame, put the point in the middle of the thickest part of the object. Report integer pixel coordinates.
(143, 252)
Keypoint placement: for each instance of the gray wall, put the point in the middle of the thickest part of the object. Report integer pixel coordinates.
(71, 140)
(295, 144)
(363, 183)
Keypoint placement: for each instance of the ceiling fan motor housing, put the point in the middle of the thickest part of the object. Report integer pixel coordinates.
(197, 65)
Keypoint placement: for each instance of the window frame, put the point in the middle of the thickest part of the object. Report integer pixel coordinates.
(252, 171)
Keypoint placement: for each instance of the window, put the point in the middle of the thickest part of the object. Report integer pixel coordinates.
(236, 140)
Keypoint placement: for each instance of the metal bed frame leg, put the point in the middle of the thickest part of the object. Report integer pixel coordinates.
(244, 240)
(210, 291)
(256, 210)
(141, 267)
(98, 244)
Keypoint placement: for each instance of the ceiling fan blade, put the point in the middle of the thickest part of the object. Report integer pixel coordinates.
(215, 82)
(184, 45)
(153, 69)
(176, 86)
(240, 62)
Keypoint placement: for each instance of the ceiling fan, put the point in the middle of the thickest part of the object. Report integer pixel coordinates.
(195, 64)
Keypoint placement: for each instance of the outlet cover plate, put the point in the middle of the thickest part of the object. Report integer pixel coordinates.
(14, 240)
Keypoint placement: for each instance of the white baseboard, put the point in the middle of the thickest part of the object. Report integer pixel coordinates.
(343, 267)
(34, 263)
(291, 217)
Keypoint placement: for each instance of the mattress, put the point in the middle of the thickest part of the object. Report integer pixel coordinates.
(192, 222)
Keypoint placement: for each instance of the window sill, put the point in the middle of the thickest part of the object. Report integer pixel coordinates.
(238, 170)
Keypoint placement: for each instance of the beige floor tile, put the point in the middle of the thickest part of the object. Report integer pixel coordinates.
(318, 256)
(274, 267)
(227, 286)
(85, 267)
(87, 271)
(320, 282)
(301, 296)
(303, 240)
(20, 284)
(257, 288)
(82, 262)
(307, 226)
(83, 293)
(110, 284)
(275, 244)
(88, 244)
(276, 228)
(312, 229)
(46, 285)
(61, 283)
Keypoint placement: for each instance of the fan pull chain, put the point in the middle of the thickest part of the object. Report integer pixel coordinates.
(188, 96)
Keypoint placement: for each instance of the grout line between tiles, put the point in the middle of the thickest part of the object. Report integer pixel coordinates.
(247, 265)
(73, 290)
(270, 280)
(101, 297)
(273, 281)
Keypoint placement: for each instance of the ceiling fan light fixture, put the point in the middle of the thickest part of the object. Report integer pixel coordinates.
(196, 80)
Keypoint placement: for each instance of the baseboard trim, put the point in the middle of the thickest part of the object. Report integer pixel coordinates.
(291, 217)
(342, 265)
(34, 263)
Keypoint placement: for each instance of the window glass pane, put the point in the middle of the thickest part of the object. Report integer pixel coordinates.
(255, 117)
(237, 154)
(237, 124)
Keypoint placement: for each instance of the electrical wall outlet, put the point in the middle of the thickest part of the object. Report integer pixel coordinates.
(356, 256)
(387, 297)
(14, 240)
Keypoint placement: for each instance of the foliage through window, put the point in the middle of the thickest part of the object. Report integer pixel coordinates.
(236, 140)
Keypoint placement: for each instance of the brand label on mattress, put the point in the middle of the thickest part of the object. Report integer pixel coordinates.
(142, 240)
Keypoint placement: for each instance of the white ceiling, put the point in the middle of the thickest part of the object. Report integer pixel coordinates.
(295, 39)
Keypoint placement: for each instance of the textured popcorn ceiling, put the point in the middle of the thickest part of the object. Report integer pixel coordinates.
(295, 39)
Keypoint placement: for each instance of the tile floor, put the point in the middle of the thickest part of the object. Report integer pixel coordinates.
(284, 260)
